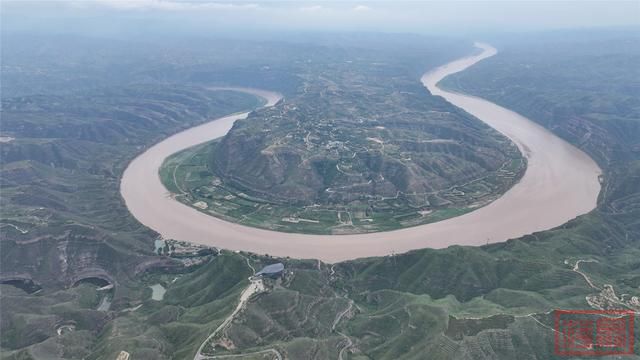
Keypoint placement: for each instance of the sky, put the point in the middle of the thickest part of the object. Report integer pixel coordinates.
(183, 16)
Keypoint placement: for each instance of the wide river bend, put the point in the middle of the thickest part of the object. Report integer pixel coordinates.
(560, 183)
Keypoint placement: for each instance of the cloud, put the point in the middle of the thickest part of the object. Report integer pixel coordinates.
(312, 8)
(361, 8)
(169, 5)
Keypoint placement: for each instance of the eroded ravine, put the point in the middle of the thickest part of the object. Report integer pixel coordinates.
(561, 182)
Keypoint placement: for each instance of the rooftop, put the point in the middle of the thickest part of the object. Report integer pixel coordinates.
(271, 269)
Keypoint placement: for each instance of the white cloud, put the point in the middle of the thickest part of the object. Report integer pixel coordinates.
(169, 5)
(361, 8)
(312, 8)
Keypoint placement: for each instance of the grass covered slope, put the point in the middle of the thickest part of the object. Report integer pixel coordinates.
(461, 302)
(62, 216)
(62, 219)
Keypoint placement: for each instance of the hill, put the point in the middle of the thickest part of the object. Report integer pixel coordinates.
(360, 146)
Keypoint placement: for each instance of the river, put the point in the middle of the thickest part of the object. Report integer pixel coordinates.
(560, 183)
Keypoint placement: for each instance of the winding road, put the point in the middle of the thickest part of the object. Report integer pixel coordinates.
(560, 183)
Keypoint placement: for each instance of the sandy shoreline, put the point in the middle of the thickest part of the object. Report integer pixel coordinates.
(561, 182)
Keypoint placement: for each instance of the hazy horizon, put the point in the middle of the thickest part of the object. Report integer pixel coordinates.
(177, 17)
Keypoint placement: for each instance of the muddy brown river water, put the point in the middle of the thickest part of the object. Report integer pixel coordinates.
(560, 183)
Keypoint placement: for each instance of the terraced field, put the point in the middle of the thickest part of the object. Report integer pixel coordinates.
(189, 176)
